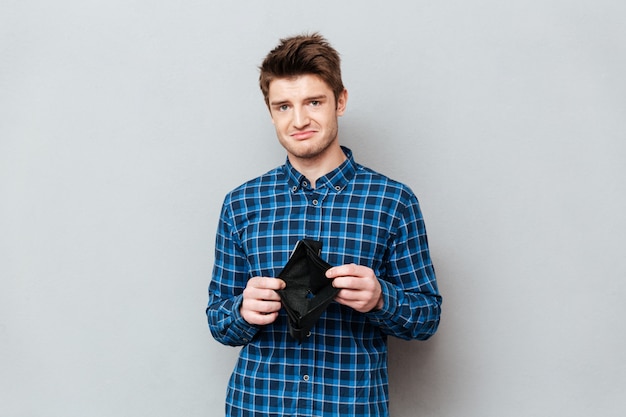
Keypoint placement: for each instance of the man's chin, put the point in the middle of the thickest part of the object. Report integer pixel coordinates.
(307, 150)
(308, 154)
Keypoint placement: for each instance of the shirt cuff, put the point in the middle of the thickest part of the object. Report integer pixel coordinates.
(390, 303)
(240, 326)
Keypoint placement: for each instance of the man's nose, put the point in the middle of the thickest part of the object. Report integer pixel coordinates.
(300, 118)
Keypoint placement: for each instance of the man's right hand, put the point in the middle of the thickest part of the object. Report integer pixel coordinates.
(261, 302)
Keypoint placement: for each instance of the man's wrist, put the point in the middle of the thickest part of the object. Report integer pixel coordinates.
(381, 303)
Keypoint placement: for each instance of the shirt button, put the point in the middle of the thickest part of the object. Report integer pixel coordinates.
(304, 183)
(306, 377)
(337, 188)
(294, 188)
(314, 202)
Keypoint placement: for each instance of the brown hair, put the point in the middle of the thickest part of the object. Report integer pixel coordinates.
(300, 55)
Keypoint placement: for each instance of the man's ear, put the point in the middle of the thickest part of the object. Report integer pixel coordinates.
(342, 101)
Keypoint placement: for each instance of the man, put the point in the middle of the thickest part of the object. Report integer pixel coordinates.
(371, 230)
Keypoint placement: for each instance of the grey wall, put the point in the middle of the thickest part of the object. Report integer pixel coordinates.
(123, 123)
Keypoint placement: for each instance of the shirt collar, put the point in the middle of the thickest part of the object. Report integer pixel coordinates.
(336, 180)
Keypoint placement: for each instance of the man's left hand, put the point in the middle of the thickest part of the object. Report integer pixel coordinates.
(359, 287)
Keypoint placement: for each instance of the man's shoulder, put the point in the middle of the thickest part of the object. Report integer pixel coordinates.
(257, 184)
(376, 180)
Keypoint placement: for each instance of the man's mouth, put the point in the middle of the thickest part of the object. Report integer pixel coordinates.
(305, 134)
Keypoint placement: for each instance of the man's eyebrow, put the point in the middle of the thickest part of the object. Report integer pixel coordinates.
(312, 98)
(279, 102)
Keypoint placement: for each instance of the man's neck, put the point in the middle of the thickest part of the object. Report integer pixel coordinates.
(314, 168)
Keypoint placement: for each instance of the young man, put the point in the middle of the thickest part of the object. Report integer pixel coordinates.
(371, 231)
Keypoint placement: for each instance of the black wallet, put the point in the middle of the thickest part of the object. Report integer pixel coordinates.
(308, 292)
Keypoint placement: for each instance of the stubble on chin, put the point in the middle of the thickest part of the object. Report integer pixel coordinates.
(308, 153)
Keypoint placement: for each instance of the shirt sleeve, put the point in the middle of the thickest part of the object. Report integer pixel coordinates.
(230, 275)
(411, 299)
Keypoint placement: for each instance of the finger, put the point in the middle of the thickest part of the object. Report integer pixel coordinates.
(262, 306)
(266, 283)
(352, 283)
(362, 301)
(261, 294)
(347, 295)
(351, 299)
(258, 318)
(342, 270)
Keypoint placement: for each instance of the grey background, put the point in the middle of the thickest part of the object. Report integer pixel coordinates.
(123, 123)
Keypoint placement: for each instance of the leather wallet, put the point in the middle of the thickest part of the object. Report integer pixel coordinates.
(308, 292)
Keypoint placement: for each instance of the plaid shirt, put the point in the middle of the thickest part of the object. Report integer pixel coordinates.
(361, 217)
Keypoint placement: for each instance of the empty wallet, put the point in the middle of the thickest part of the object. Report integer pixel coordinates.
(308, 292)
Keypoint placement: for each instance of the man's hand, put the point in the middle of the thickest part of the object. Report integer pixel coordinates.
(359, 287)
(261, 302)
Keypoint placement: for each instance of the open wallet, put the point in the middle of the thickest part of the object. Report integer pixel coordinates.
(308, 292)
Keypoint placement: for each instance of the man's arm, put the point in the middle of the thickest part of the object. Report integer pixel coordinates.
(407, 314)
(405, 302)
(404, 314)
(229, 292)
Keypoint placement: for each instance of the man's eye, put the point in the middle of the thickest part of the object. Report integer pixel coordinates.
(283, 107)
(315, 103)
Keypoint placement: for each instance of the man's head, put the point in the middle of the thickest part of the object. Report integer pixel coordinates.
(302, 55)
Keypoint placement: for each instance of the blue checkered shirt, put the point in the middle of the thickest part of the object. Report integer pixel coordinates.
(360, 217)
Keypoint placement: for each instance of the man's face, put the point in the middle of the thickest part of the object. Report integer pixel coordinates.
(304, 114)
